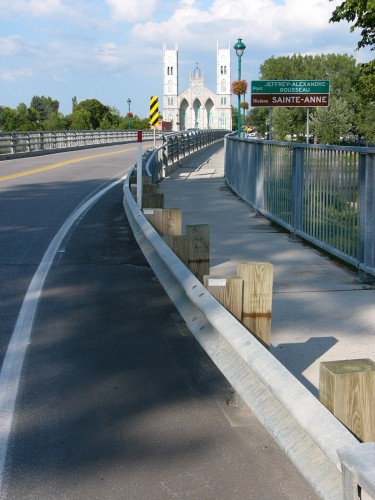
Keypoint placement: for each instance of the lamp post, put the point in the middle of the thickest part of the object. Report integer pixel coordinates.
(129, 102)
(239, 47)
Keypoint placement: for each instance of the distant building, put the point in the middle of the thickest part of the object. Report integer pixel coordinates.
(197, 106)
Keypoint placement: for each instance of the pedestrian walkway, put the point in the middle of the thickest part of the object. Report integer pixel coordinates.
(321, 311)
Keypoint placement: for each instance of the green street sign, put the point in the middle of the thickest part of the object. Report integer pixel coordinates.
(290, 87)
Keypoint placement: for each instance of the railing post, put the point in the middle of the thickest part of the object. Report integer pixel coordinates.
(366, 236)
(165, 156)
(12, 144)
(297, 189)
(259, 179)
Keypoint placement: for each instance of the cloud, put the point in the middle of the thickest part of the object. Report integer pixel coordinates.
(265, 22)
(31, 7)
(10, 45)
(132, 10)
(15, 75)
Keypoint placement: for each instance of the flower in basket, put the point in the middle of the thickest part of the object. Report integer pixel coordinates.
(129, 115)
(239, 87)
(244, 105)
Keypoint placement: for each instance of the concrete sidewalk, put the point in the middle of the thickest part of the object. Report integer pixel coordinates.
(321, 312)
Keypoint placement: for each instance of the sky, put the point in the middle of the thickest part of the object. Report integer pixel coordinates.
(112, 50)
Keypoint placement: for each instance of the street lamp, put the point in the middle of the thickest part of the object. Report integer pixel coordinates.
(129, 102)
(239, 47)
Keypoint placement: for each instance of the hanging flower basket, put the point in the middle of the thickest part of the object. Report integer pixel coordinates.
(129, 115)
(244, 105)
(239, 87)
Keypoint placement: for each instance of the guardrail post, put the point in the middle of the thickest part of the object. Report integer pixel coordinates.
(347, 389)
(228, 290)
(257, 298)
(167, 221)
(198, 241)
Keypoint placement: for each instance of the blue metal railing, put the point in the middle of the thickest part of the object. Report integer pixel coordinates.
(177, 146)
(324, 194)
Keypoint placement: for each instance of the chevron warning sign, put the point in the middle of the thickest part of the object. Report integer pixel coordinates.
(154, 110)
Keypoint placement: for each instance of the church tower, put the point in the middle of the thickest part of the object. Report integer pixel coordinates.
(223, 90)
(170, 87)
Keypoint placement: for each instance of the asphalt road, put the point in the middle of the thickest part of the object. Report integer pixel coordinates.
(116, 399)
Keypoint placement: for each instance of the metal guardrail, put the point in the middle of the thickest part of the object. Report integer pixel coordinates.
(13, 143)
(307, 432)
(177, 146)
(324, 194)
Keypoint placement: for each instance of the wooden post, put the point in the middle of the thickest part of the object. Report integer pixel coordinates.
(149, 188)
(347, 389)
(228, 291)
(198, 237)
(171, 222)
(166, 221)
(155, 217)
(153, 200)
(179, 245)
(257, 298)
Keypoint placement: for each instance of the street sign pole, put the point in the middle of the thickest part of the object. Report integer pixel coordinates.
(270, 125)
(308, 126)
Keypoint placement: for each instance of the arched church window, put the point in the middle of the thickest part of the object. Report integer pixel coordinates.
(222, 70)
(225, 70)
(168, 70)
(223, 86)
(171, 70)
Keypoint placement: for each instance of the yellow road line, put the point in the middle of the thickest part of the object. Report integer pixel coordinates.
(61, 164)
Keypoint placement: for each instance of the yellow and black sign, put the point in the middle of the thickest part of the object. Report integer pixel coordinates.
(154, 110)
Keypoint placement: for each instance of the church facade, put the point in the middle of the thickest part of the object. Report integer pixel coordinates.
(197, 106)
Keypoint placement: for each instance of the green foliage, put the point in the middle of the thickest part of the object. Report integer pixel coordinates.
(331, 123)
(362, 13)
(95, 110)
(44, 106)
(349, 83)
(87, 115)
(8, 119)
(80, 119)
(364, 121)
(259, 118)
(365, 84)
(56, 121)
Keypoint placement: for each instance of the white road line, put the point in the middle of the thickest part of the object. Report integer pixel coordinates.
(12, 366)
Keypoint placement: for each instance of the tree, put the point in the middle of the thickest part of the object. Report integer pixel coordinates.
(362, 12)
(365, 84)
(340, 70)
(56, 121)
(364, 122)
(8, 119)
(80, 119)
(96, 110)
(44, 106)
(259, 118)
(332, 123)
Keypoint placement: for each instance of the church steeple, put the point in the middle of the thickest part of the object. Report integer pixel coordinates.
(170, 83)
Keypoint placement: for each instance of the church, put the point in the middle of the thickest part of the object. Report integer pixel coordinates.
(197, 106)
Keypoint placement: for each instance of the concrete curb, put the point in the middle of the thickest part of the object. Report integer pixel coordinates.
(307, 432)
